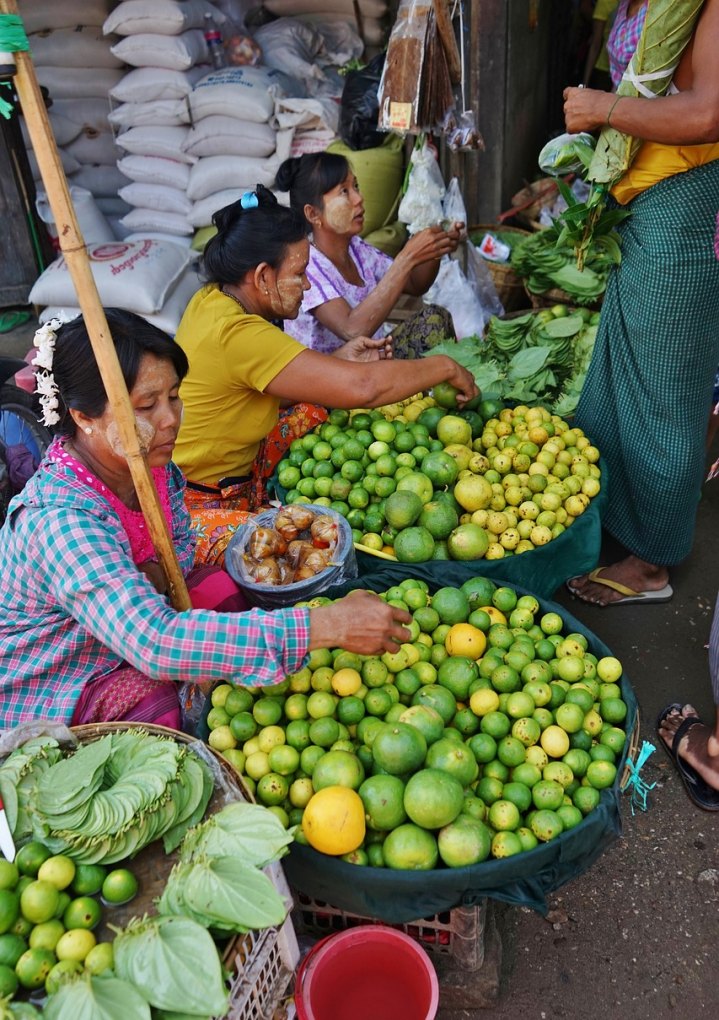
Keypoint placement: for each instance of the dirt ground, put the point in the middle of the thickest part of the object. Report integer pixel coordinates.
(635, 936)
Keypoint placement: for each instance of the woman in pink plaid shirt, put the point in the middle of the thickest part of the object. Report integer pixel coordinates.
(86, 630)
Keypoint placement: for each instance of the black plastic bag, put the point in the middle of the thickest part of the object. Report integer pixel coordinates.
(359, 107)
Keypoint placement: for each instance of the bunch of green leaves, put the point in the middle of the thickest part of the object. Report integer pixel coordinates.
(109, 798)
(97, 998)
(588, 229)
(566, 403)
(546, 259)
(247, 831)
(19, 776)
(530, 358)
(173, 963)
(222, 893)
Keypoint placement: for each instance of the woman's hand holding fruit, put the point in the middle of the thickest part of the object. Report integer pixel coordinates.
(360, 623)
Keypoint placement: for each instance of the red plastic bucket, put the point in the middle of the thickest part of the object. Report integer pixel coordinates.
(367, 971)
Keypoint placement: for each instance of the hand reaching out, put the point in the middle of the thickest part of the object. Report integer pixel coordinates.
(365, 348)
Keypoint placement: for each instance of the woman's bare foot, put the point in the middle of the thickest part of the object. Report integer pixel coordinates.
(631, 572)
(698, 747)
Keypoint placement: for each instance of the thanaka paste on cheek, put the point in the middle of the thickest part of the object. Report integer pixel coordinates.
(145, 432)
(339, 213)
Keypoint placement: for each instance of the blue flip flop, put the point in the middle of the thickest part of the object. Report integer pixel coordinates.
(699, 791)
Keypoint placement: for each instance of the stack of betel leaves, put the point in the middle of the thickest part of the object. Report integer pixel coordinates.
(546, 265)
(539, 357)
(107, 799)
(167, 965)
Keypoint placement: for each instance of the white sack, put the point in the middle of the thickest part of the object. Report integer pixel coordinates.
(147, 84)
(40, 15)
(155, 170)
(374, 30)
(247, 93)
(94, 149)
(73, 47)
(159, 112)
(173, 52)
(88, 114)
(93, 225)
(157, 235)
(69, 163)
(156, 196)
(165, 17)
(293, 46)
(138, 276)
(167, 319)
(219, 173)
(112, 206)
(78, 82)
(141, 220)
(204, 210)
(102, 181)
(156, 141)
(63, 129)
(225, 136)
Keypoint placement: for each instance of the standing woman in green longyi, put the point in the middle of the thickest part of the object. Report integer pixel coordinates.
(648, 394)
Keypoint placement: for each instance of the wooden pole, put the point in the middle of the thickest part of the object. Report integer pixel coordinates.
(75, 252)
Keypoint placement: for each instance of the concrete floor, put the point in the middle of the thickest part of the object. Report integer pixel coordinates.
(636, 936)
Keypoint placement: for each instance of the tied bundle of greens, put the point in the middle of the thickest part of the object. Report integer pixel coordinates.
(668, 28)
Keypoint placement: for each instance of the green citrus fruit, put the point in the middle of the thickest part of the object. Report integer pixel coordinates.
(30, 857)
(9, 909)
(46, 935)
(62, 970)
(338, 768)
(464, 842)
(34, 966)
(455, 758)
(88, 879)
(410, 848)
(11, 948)
(433, 798)
(39, 901)
(119, 886)
(383, 799)
(414, 545)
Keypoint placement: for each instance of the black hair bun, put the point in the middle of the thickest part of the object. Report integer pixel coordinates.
(287, 173)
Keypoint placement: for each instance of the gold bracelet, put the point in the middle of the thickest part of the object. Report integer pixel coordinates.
(611, 111)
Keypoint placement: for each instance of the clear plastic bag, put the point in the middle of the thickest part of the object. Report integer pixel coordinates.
(343, 564)
(470, 298)
(567, 154)
(421, 205)
(453, 205)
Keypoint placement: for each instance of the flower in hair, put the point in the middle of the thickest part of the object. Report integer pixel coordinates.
(45, 385)
(249, 200)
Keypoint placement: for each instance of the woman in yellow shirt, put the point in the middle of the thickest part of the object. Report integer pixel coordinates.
(243, 367)
(648, 394)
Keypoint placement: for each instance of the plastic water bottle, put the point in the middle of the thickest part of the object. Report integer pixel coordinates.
(213, 38)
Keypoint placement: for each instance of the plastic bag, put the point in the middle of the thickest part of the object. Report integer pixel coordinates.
(567, 154)
(342, 565)
(453, 205)
(359, 106)
(421, 205)
(470, 298)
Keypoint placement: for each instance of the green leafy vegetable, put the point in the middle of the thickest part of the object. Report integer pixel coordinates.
(173, 962)
(223, 893)
(97, 998)
(247, 831)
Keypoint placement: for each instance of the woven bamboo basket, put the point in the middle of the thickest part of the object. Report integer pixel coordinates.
(509, 286)
(260, 964)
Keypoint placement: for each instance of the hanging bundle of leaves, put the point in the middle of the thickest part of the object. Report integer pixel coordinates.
(173, 963)
(668, 28)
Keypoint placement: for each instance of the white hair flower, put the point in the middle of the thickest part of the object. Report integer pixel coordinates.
(45, 385)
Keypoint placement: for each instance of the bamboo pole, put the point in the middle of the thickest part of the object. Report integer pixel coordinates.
(75, 252)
